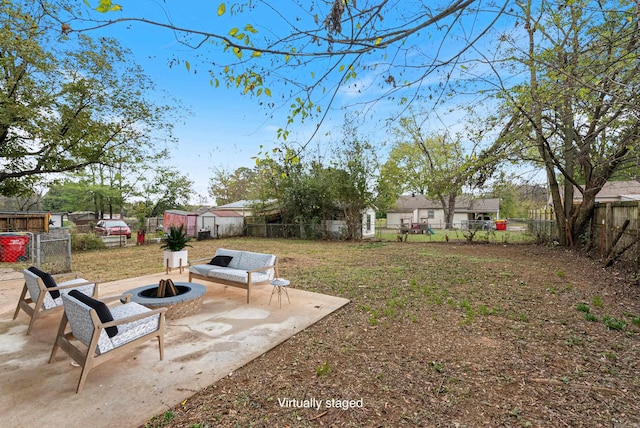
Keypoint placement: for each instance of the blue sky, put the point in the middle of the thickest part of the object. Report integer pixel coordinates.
(223, 128)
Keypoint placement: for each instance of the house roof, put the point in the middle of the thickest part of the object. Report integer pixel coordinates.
(221, 213)
(243, 204)
(615, 191)
(409, 203)
(180, 212)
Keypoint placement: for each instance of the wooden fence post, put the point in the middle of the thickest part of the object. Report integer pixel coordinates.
(608, 228)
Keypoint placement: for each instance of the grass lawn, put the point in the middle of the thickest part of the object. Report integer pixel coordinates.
(436, 334)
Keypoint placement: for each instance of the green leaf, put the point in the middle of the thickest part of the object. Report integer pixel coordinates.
(233, 31)
(238, 52)
(222, 9)
(256, 53)
(267, 91)
(186, 64)
(106, 6)
(378, 40)
(250, 29)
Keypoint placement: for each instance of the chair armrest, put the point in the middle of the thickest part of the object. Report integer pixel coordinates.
(260, 269)
(124, 298)
(77, 284)
(75, 275)
(133, 317)
(197, 261)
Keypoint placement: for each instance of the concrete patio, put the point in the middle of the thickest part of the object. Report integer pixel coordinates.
(126, 392)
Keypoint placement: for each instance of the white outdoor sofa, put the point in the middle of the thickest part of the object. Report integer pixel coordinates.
(242, 269)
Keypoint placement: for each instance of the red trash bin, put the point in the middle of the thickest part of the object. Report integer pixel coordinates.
(12, 247)
(501, 224)
(140, 237)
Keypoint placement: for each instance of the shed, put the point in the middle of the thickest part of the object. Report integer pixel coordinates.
(30, 221)
(189, 220)
(220, 223)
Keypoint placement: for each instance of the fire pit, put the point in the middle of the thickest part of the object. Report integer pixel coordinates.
(187, 302)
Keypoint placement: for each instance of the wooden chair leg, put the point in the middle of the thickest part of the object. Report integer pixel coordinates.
(60, 335)
(83, 376)
(32, 321)
(22, 296)
(161, 346)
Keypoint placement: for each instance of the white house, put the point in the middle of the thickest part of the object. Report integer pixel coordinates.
(220, 222)
(418, 209)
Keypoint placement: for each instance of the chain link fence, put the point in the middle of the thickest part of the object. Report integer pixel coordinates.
(50, 251)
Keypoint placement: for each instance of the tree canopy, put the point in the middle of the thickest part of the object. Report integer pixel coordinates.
(68, 102)
(579, 108)
(303, 55)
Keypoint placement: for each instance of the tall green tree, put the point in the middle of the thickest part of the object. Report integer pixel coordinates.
(580, 108)
(445, 169)
(226, 187)
(67, 102)
(353, 178)
(168, 189)
(406, 169)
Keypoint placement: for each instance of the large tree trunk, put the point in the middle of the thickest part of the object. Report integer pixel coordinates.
(554, 188)
(448, 206)
(579, 221)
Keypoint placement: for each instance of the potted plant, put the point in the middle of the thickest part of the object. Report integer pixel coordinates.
(174, 244)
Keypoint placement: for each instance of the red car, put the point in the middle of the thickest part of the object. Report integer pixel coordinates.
(112, 227)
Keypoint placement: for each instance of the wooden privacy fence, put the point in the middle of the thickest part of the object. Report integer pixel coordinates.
(543, 224)
(614, 231)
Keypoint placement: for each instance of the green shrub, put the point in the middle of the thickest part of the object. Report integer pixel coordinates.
(614, 323)
(86, 242)
(583, 307)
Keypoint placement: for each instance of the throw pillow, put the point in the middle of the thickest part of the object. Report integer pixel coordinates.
(101, 309)
(221, 261)
(47, 279)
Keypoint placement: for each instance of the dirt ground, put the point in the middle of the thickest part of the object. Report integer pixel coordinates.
(441, 335)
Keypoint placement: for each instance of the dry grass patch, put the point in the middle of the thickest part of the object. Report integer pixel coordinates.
(435, 335)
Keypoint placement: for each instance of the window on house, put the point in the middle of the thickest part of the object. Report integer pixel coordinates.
(431, 214)
(368, 222)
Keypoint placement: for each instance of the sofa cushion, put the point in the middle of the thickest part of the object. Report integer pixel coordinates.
(202, 269)
(100, 307)
(47, 279)
(132, 330)
(221, 261)
(250, 260)
(236, 275)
